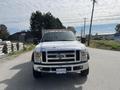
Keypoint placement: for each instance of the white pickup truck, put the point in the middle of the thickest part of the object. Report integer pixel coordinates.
(59, 52)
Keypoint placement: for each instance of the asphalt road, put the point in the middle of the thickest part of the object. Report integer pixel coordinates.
(104, 74)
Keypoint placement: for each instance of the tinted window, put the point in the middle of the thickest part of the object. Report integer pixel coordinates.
(58, 36)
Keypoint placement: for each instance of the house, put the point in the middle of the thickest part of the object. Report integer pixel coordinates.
(117, 37)
(23, 36)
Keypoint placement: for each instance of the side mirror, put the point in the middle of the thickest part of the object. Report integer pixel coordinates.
(83, 40)
(78, 39)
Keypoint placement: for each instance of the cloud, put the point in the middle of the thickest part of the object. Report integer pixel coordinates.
(70, 12)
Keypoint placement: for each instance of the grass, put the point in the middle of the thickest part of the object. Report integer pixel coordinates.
(106, 44)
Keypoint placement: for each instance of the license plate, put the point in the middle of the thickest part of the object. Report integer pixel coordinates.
(61, 71)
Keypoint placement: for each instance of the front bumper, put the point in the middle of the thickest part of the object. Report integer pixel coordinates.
(69, 68)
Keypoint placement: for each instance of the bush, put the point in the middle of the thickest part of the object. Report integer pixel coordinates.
(28, 47)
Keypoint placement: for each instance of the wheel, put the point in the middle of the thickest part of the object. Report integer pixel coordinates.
(36, 74)
(84, 72)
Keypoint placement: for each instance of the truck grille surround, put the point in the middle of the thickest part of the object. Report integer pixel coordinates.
(68, 56)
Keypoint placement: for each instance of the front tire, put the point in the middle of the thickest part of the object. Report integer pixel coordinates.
(84, 72)
(36, 74)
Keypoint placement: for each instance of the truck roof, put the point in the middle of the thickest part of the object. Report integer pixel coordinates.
(54, 30)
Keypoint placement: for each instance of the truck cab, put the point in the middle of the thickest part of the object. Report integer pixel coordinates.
(59, 52)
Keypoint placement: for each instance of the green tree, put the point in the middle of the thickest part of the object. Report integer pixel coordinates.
(117, 28)
(50, 22)
(41, 21)
(36, 23)
(3, 32)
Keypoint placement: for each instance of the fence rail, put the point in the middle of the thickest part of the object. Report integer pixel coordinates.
(1, 47)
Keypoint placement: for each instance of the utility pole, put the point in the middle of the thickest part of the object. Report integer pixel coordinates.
(84, 27)
(89, 36)
(81, 32)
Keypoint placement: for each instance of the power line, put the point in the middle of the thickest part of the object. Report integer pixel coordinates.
(110, 16)
(73, 20)
(97, 20)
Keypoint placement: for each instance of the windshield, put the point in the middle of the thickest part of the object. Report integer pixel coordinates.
(58, 36)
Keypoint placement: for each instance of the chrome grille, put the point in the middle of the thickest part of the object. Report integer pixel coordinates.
(61, 56)
(67, 56)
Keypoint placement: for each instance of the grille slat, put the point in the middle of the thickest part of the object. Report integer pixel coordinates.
(77, 55)
(61, 60)
(61, 52)
(44, 56)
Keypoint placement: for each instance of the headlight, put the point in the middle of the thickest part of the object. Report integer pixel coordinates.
(37, 57)
(84, 55)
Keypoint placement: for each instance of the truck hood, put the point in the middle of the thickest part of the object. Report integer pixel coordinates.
(60, 45)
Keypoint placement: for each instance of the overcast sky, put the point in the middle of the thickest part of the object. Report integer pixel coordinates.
(16, 13)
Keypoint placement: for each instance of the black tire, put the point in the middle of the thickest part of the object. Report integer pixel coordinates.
(84, 72)
(36, 74)
(32, 58)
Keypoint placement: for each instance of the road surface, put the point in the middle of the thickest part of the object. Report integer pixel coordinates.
(104, 74)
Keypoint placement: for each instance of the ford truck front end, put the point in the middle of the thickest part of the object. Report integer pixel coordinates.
(60, 53)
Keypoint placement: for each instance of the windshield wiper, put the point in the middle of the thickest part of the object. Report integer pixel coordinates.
(66, 40)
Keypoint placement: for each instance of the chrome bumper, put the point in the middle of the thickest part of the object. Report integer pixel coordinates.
(75, 68)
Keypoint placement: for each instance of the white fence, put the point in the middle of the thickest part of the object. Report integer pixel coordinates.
(20, 46)
(1, 47)
(14, 45)
(7, 47)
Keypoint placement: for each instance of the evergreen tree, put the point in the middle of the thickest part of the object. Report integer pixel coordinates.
(117, 28)
(41, 21)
